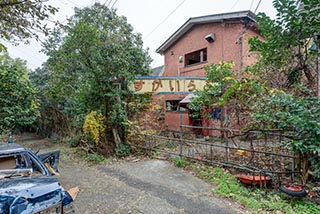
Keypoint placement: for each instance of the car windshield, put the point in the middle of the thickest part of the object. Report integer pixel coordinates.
(15, 165)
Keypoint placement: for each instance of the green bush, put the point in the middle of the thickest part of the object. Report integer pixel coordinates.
(74, 141)
(123, 150)
(302, 116)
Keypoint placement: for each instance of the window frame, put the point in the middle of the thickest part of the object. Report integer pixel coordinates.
(178, 106)
(202, 54)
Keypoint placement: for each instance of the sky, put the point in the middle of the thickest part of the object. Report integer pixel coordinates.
(156, 20)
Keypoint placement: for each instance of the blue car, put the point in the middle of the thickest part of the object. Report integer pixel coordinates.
(28, 184)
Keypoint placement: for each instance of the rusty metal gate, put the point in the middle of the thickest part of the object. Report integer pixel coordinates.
(259, 152)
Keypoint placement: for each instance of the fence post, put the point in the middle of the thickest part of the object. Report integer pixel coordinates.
(211, 153)
(227, 144)
(180, 137)
(293, 165)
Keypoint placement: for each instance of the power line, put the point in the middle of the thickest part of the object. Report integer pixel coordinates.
(257, 7)
(164, 19)
(114, 3)
(62, 2)
(251, 4)
(235, 4)
(78, 5)
(109, 3)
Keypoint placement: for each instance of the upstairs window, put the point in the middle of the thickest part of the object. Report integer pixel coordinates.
(196, 57)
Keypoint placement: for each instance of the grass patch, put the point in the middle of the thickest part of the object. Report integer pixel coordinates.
(95, 158)
(123, 150)
(179, 162)
(256, 199)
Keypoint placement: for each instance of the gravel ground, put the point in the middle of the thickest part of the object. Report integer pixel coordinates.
(131, 186)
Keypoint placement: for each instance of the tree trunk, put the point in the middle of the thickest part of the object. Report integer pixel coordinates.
(111, 131)
(116, 137)
(310, 78)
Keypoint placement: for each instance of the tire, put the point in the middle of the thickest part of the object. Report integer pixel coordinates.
(293, 190)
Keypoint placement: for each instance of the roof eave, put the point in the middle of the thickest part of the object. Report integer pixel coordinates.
(203, 20)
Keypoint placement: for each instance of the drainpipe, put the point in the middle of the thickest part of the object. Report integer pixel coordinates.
(222, 43)
(240, 42)
(240, 55)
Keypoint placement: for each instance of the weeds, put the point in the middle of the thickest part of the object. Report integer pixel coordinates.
(123, 150)
(179, 162)
(256, 199)
(73, 141)
(95, 158)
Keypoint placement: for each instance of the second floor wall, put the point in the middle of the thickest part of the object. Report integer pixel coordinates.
(192, 51)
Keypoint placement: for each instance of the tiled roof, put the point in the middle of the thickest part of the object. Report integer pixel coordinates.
(157, 71)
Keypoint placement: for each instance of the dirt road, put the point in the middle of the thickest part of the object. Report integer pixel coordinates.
(135, 186)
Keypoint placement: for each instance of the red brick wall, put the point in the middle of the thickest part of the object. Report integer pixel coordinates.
(227, 47)
(249, 58)
(172, 119)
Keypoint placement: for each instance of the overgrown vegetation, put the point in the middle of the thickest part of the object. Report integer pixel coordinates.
(82, 88)
(299, 115)
(91, 62)
(18, 101)
(123, 150)
(94, 127)
(226, 90)
(95, 158)
(288, 64)
(22, 20)
(278, 92)
(289, 51)
(253, 198)
(179, 162)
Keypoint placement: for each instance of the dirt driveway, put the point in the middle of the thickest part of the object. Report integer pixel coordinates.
(135, 186)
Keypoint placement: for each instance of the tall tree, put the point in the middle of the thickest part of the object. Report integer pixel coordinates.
(23, 19)
(287, 60)
(92, 60)
(18, 103)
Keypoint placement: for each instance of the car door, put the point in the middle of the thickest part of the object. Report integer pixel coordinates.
(50, 159)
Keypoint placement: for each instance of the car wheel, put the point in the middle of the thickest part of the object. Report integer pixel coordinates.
(293, 190)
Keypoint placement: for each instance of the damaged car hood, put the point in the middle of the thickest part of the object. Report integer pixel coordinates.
(30, 194)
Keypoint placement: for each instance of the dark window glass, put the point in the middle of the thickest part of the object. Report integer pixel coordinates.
(196, 57)
(216, 113)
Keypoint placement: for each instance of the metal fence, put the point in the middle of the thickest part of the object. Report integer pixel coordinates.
(260, 153)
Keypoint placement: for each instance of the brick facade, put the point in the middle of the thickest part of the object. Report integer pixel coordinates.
(230, 44)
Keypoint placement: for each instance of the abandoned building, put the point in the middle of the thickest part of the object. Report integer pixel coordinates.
(202, 41)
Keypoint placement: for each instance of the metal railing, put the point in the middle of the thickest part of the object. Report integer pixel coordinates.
(257, 152)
